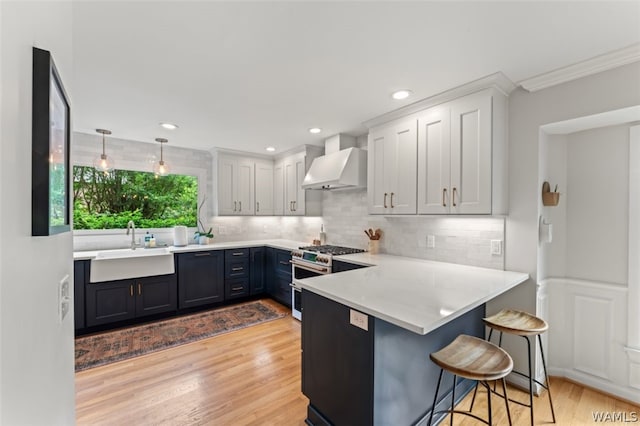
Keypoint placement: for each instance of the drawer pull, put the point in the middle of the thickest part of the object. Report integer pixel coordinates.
(238, 253)
(237, 288)
(237, 269)
(202, 254)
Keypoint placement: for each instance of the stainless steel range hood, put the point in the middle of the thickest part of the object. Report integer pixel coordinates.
(339, 168)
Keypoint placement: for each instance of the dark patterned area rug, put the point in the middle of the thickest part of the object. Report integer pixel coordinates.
(108, 347)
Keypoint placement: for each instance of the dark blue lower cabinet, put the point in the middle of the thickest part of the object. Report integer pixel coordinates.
(257, 256)
(80, 271)
(379, 376)
(114, 301)
(235, 288)
(200, 278)
(278, 275)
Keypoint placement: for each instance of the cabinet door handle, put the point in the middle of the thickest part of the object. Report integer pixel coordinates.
(202, 254)
(139, 289)
(237, 269)
(385, 200)
(237, 253)
(453, 196)
(235, 206)
(444, 197)
(257, 206)
(131, 290)
(240, 204)
(284, 263)
(392, 200)
(237, 288)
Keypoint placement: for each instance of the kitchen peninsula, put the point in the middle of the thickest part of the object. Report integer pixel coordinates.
(367, 335)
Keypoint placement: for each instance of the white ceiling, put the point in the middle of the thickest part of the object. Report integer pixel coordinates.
(249, 75)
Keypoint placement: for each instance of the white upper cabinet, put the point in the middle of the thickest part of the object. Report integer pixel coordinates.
(278, 189)
(446, 155)
(392, 169)
(471, 158)
(454, 157)
(264, 189)
(291, 171)
(236, 186)
(434, 160)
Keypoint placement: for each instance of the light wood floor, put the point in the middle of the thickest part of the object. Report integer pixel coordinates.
(252, 377)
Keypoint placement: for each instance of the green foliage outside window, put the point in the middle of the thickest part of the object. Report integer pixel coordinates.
(110, 200)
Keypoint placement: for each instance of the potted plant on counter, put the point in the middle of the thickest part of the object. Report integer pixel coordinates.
(202, 236)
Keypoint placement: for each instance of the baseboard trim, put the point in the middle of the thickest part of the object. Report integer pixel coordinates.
(604, 387)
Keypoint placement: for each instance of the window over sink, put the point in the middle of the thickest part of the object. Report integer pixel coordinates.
(109, 200)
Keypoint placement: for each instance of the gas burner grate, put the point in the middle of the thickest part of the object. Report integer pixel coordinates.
(332, 250)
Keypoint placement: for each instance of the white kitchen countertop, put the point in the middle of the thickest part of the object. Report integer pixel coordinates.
(418, 295)
(279, 244)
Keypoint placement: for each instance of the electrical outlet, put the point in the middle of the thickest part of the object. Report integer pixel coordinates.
(431, 241)
(359, 319)
(222, 230)
(496, 247)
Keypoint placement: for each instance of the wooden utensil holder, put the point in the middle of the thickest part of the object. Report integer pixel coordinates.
(549, 198)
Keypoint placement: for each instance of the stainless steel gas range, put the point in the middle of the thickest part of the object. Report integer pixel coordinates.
(312, 261)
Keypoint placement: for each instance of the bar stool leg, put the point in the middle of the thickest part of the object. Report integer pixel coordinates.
(475, 390)
(489, 402)
(506, 399)
(546, 378)
(530, 378)
(435, 398)
(453, 399)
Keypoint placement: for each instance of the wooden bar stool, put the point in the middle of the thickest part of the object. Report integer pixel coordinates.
(475, 359)
(522, 324)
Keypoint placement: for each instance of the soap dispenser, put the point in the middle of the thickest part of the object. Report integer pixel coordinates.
(323, 235)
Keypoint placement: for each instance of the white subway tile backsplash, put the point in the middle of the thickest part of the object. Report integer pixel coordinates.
(463, 240)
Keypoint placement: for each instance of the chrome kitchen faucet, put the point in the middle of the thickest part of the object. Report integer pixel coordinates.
(132, 226)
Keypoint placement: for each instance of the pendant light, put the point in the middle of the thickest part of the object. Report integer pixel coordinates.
(103, 163)
(161, 168)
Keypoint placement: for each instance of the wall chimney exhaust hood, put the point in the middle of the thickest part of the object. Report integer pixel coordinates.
(338, 168)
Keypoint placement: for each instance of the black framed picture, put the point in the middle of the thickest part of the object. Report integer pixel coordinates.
(50, 171)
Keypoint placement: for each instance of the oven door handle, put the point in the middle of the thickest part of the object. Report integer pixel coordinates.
(310, 268)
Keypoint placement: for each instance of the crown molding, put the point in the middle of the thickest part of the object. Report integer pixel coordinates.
(497, 80)
(591, 66)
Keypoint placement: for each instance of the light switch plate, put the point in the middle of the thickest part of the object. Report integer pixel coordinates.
(64, 299)
(431, 241)
(359, 319)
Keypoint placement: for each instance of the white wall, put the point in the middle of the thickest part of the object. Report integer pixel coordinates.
(597, 204)
(528, 112)
(37, 353)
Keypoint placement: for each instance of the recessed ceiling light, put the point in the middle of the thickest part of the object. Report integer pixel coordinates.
(169, 126)
(315, 130)
(401, 94)
(270, 148)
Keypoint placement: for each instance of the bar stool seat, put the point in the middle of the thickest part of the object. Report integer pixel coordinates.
(517, 322)
(475, 359)
(522, 324)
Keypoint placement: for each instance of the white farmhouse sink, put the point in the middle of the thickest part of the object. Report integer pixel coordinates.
(111, 265)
